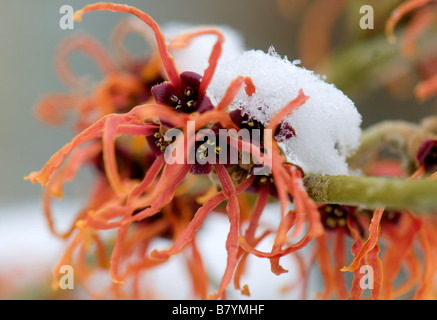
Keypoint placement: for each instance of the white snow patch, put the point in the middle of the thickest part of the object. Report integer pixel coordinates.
(327, 126)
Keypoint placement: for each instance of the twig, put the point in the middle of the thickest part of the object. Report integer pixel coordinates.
(373, 192)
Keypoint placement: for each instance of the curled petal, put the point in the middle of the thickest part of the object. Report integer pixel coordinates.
(184, 39)
(117, 253)
(154, 112)
(340, 257)
(53, 108)
(399, 13)
(65, 259)
(281, 237)
(233, 211)
(55, 161)
(420, 22)
(370, 243)
(167, 59)
(119, 34)
(109, 158)
(87, 45)
(148, 179)
(172, 176)
(372, 259)
(287, 110)
(94, 131)
(280, 177)
(325, 266)
(67, 173)
(239, 270)
(227, 185)
(304, 205)
(426, 89)
(395, 254)
(277, 254)
(317, 25)
(414, 273)
(356, 289)
(258, 208)
(187, 235)
(198, 272)
(425, 290)
(192, 228)
(232, 91)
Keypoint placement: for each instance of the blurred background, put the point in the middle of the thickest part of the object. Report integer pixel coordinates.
(324, 35)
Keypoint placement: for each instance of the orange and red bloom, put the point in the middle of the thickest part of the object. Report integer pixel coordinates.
(123, 125)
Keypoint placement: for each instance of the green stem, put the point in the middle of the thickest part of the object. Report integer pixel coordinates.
(373, 192)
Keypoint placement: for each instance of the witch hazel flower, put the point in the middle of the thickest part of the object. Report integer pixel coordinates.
(131, 201)
(307, 125)
(126, 79)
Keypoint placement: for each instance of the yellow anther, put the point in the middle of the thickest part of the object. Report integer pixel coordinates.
(338, 212)
(263, 179)
(187, 92)
(157, 135)
(330, 222)
(190, 103)
(341, 222)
